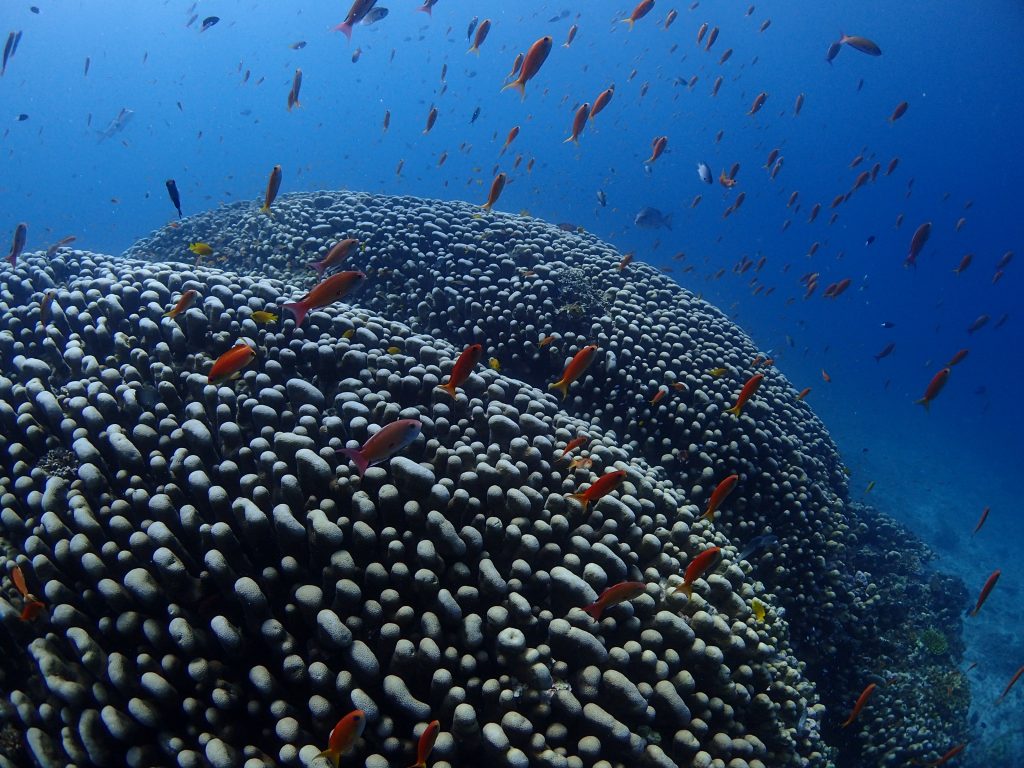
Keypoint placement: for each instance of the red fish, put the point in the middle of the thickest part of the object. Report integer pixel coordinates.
(803, 393)
(901, 109)
(642, 9)
(273, 185)
(578, 121)
(659, 395)
(496, 186)
(746, 393)
(334, 257)
(600, 487)
(576, 442)
(576, 367)
(948, 756)
(619, 593)
(328, 291)
(861, 701)
(428, 7)
(965, 262)
(431, 119)
(535, 57)
(229, 365)
(602, 100)
(985, 591)
(33, 605)
(388, 440)
(657, 147)
(426, 744)
(917, 242)
(188, 298)
(1013, 680)
(959, 356)
(722, 490)
(18, 244)
(46, 308)
(759, 101)
(481, 35)
(981, 522)
(346, 733)
(934, 387)
(670, 17)
(885, 352)
(697, 567)
(510, 138)
(356, 14)
(463, 367)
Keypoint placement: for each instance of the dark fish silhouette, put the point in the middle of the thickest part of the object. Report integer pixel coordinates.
(208, 22)
(172, 190)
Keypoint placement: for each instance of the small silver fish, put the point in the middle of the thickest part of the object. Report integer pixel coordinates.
(704, 172)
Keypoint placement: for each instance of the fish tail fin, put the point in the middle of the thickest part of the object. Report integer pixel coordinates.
(333, 755)
(735, 410)
(685, 588)
(319, 267)
(420, 764)
(581, 498)
(517, 84)
(562, 387)
(487, 206)
(346, 29)
(361, 462)
(474, 49)
(923, 401)
(594, 611)
(575, 140)
(299, 310)
(630, 22)
(709, 514)
(449, 388)
(426, 9)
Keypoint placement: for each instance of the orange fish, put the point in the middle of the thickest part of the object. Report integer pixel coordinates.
(722, 490)
(46, 308)
(600, 487)
(948, 756)
(859, 705)
(531, 64)
(825, 377)
(985, 591)
(626, 261)
(662, 391)
(344, 736)
(334, 257)
(578, 121)
(571, 36)
(481, 35)
(33, 605)
(697, 567)
(934, 387)
(602, 100)
(515, 66)
(326, 292)
(725, 181)
(463, 367)
(619, 593)
(803, 393)
(510, 138)
(545, 341)
(431, 119)
(273, 185)
(496, 186)
(188, 298)
(576, 442)
(981, 522)
(384, 443)
(958, 357)
(657, 147)
(901, 109)
(1013, 680)
(429, 735)
(642, 9)
(229, 365)
(576, 367)
(581, 462)
(670, 17)
(746, 393)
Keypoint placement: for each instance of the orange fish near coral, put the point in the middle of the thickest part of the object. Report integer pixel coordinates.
(344, 736)
(985, 592)
(387, 441)
(721, 492)
(429, 735)
(576, 442)
(188, 298)
(803, 393)
(229, 365)
(752, 385)
(535, 57)
(1013, 680)
(697, 568)
(496, 187)
(326, 292)
(463, 367)
(33, 605)
(859, 705)
(934, 387)
(576, 368)
(619, 593)
(334, 257)
(273, 185)
(600, 487)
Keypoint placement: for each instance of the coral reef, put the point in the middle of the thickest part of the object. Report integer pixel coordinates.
(221, 586)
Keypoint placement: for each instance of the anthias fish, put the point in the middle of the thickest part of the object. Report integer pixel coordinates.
(386, 442)
(344, 735)
(612, 596)
(464, 366)
(576, 368)
(324, 293)
(229, 365)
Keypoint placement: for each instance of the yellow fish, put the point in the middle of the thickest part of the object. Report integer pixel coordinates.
(200, 249)
(758, 608)
(494, 364)
(262, 316)
(394, 350)
(716, 372)
(870, 486)
(349, 333)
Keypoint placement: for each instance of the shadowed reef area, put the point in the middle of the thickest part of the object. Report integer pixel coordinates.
(221, 586)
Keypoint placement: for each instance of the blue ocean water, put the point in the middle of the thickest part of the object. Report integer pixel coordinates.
(197, 119)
